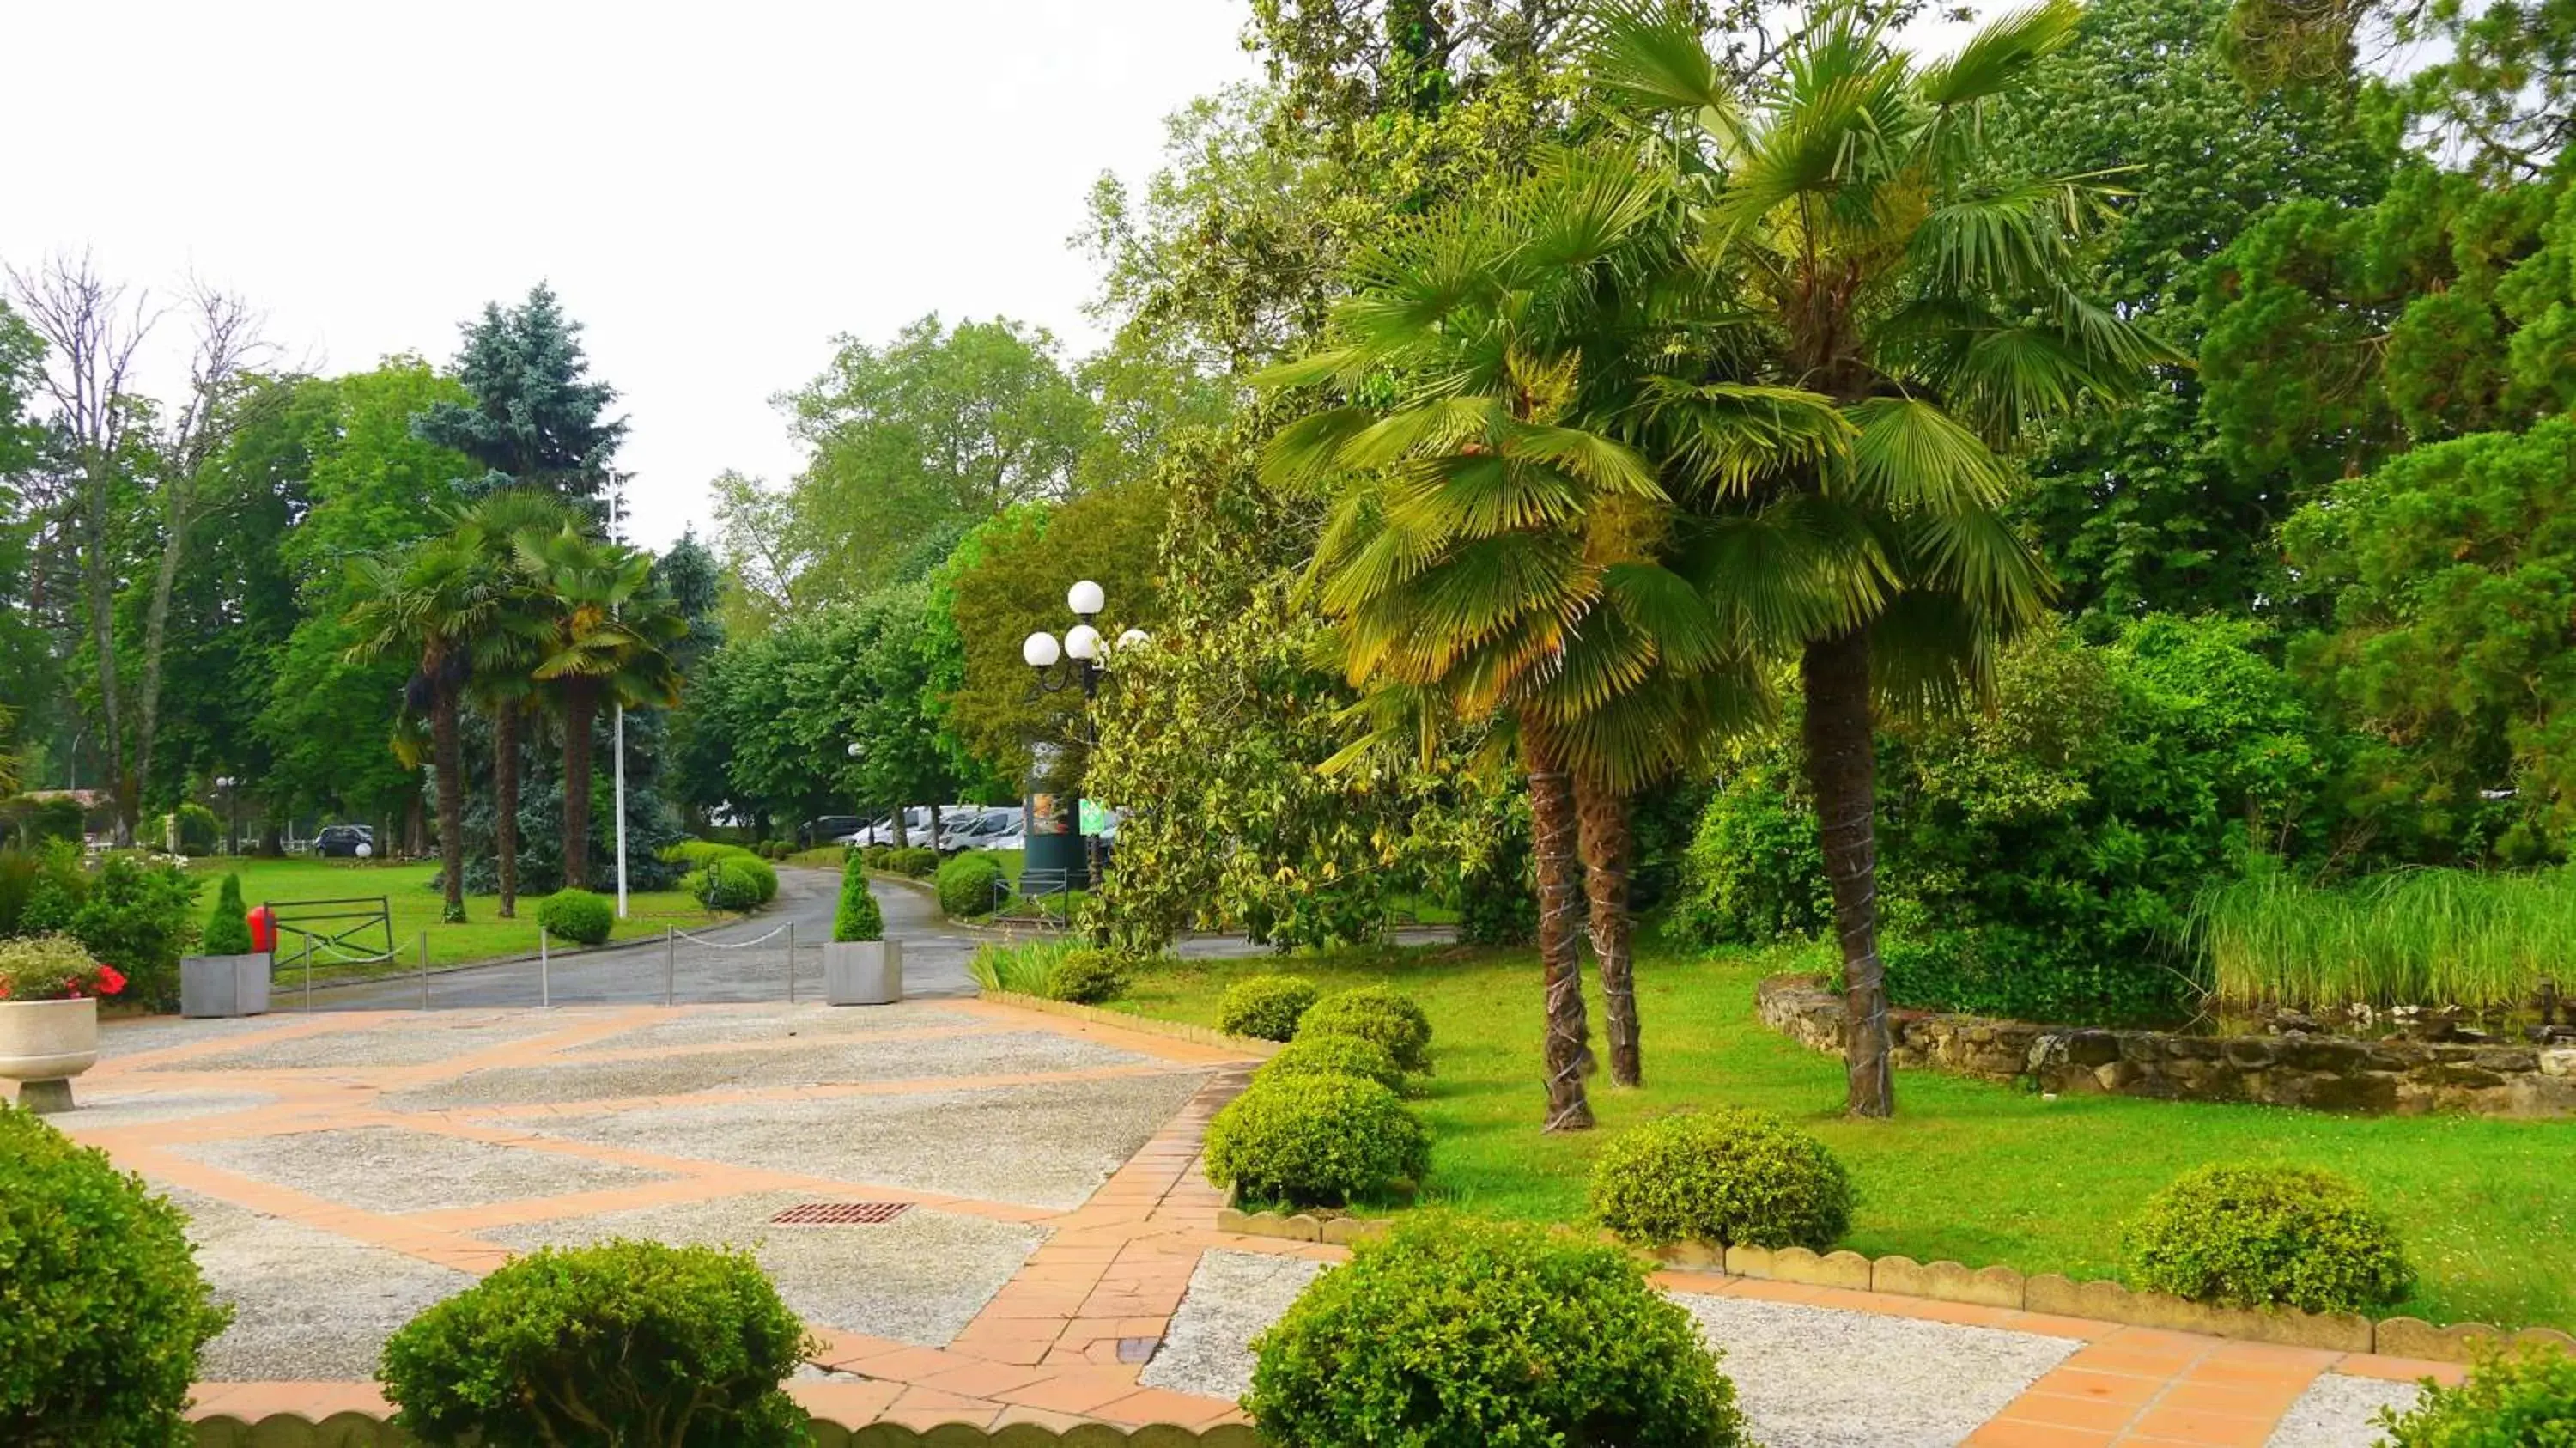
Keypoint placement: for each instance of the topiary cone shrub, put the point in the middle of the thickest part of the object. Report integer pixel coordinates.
(2268, 1236)
(1374, 1013)
(102, 1309)
(1450, 1332)
(228, 928)
(579, 916)
(1265, 1007)
(857, 916)
(1729, 1177)
(635, 1344)
(1316, 1141)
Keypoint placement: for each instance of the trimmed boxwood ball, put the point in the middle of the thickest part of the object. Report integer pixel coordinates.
(1265, 1007)
(1729, 1177)
(1374, 1013)
(2524, 1397)
(577, 915)
(729, 884)
(1454, 1333)
(1088, 977)
(918, 861)
(1316, 1141)
(2268, 1236)
(965, 885)
(1335, 1056)
(857, 917)
(623, 1342)
(105, 1309)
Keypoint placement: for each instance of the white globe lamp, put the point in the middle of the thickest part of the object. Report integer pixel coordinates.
(1082, 641)
(1040, 650)
(1085, 599)
(1132, 638)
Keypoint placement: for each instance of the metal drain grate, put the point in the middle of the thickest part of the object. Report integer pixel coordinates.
(840, 1214)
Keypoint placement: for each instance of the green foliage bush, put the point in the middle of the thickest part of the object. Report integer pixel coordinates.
(192, 827)
(137, 917)
(857, 916)
(621, 1343)
(50, 967)
(228, 925)
(1754, 872)
(1730, 1177)
(1316, 1141)
(1335, 1056)
(1374, 1013)
(2268, 1236)
(1451, 1332)
(2521, 1399)
(734, 884)
(966, 885)
(918, 861)
(876, 857)
(1088, 977)
(106, 1311)
(578, 915)
(41, 889)
(1265, 1007)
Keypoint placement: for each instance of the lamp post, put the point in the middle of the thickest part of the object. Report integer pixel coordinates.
(232, 812)
(1083, 647)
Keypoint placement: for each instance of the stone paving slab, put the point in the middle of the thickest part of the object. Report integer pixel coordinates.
(389, 1169)
(798, 1023)
(101, 1109)
(306, 1303)
(419, 1040)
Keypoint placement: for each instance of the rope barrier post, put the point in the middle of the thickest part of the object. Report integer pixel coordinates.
(791, 962)
(670, 963)
(545, 989)
(424, 970)
(308, 972)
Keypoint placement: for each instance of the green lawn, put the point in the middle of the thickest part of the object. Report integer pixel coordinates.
(1974, 1172)
(413, 902)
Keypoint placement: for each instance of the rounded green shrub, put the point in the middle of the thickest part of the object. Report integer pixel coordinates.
(1265, 1007)
(875, 857)
(2521, 1399)
(966, 884)
(1087, 978)
(623, 1342)
(1730, 1177)
(857, 916)
(228, 927)
(1374, 1013)
(2268, 1236)
(1335, 1056)
(1316, 1141)
(918, 861)
(579, 916)
(1453, 1332)
(730, 884)
(106, 1311)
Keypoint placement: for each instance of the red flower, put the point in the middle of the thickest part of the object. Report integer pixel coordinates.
(4, 990)
(110, 980)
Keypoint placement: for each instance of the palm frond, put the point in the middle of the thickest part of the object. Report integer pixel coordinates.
(2000, 56)
(1908, 455)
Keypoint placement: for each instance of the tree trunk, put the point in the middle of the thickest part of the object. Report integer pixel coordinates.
(505, 802)
(899, 812)
(176, 519)
(1607, 845)
(1568, 1054)
(1842, 769)
(580, 708)
(450, 759)
(98, 574)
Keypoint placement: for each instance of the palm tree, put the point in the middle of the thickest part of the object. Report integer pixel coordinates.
(1908, 312)
(428, 603)
(505, 654)
(1493, 551)
(606, 635)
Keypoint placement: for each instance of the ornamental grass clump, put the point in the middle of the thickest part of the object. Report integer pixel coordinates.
(857, 916)
(228, 928)
(2268, 1236)
(1316, 1141)
(105, 1311)
(1265, 1007)
(1454, 1333)
(2521, 1399)
(1730, 1177)
(622, 1343)
(1374, 1013)
(1335, 1056)
(580, 916)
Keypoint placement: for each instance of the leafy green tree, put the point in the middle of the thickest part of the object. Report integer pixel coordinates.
(536, 419)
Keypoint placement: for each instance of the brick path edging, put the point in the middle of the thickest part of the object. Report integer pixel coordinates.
(364, 1430)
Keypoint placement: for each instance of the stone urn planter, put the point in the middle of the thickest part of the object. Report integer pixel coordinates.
(863, 972)
(43, 1044)
(224, 985)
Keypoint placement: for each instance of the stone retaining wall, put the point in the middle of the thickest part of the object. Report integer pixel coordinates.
(361, 1430)
(2333, 1073)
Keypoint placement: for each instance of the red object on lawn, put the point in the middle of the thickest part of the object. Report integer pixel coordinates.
(263, 927)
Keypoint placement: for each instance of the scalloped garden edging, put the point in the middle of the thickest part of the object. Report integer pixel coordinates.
(360, 1430)
(1100, 1016)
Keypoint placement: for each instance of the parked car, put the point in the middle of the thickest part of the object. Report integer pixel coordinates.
(880, 831)
(343, 841)
(827, 827)
(973, 829)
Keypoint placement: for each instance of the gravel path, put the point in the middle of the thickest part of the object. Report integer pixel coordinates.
(1232, 1297)
(2341, 1411)
(141, 1108)
(418, 1040)
(919, 1278)
(306, 1304)
(1040, 1146)
(801, 1023)
(387, 1169)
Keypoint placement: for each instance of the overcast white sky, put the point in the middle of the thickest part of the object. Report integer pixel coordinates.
(715, 190)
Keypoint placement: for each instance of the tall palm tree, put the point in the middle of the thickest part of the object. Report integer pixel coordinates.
(428, 603)
(1492, 550)
(504, 654)
(1909, 311)
(607, 630)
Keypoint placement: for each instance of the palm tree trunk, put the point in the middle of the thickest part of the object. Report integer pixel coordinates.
(1568, 1054)
(1606, 845)
(505, 802)
(450, 759)
(1842, 769)
(580, 707)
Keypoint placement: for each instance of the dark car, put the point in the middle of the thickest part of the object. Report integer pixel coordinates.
(823, 829)
(339, 841)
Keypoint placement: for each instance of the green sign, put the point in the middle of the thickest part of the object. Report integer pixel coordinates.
(1095, 817)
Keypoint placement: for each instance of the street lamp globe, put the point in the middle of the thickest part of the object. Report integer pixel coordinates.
(1082, 641)
(854, 749)
(1040, 650)
(1133, 637)
(1085, 599)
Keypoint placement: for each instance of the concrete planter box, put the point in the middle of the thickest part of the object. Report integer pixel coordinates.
(863, 972)
(224, 985)
(43, 1044)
